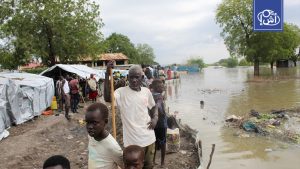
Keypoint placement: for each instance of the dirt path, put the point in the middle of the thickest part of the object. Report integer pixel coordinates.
(31, 143)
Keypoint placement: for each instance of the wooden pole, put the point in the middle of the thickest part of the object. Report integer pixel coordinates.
(200, 147)
(113, 110)
(211, 155)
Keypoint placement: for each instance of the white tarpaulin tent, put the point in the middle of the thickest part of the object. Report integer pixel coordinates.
(4, 117)
(81, 70)
(28, 95)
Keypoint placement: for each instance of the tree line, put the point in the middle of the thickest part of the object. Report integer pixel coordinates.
(230, 62)
(137, 54)
(59, 30)
(235, 18)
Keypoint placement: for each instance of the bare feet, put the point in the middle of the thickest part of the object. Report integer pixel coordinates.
(68, 117)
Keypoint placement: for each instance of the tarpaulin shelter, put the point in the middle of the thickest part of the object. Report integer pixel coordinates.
(4, 117)
(24, 96)
(82, 71)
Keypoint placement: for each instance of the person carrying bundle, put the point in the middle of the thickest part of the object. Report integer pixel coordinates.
(93, 88)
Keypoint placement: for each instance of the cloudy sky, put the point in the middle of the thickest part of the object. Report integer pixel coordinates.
(176, 29)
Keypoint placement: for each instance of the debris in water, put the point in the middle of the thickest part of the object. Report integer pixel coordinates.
(268, 150)
(244, 135)
(250, 127)
(254, 113)
(233, 118)
(70, 137)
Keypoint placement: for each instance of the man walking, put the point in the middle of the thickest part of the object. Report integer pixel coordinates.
(66, 95)
(59, 95)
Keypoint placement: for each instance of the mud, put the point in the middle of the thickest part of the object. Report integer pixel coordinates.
(31, 143)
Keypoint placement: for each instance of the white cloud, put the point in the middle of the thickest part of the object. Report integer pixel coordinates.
(291, 3)
(176, 29)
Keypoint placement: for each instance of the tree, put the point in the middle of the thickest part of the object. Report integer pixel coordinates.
(272, 46)
(232, 62)
(53, 30)
(196, 61)
(243, 62)
(295, 36)
(235, 17)
(118, 43)
(145, 54)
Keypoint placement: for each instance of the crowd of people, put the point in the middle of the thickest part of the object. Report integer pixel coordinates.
(140, 99)
(71, 89)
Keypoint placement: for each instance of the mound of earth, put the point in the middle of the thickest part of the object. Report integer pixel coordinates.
(31, 143)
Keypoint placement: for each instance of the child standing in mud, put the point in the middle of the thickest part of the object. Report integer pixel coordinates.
(104, 151)
(157, 88)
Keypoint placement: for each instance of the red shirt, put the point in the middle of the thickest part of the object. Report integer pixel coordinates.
(74, 86)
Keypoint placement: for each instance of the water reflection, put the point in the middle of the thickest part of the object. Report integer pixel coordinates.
(253, 147)
(170, 93)
(264, 96)
(236, 91)
(176, 89)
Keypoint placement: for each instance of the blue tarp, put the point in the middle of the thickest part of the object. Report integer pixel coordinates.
(189, 69)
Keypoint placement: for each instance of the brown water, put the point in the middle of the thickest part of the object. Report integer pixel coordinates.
(231, 91)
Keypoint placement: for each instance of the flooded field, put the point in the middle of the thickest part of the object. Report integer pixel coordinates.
(235, 91)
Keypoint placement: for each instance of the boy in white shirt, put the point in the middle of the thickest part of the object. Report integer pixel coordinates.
(104, 151)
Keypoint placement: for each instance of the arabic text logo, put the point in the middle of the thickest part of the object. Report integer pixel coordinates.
(268, 17)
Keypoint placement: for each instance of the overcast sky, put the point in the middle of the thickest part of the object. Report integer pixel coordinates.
(176, 29)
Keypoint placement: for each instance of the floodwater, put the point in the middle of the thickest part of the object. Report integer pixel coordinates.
(234, 91)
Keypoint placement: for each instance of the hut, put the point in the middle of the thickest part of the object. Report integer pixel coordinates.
(284, 63)
(101, 60)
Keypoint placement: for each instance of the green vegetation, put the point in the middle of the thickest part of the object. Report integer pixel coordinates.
(57, 29)
(145, 54)
(232, 62)
(118, 43)
(196, 61)
(244, 62)
(235, 18)
(229, 62)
